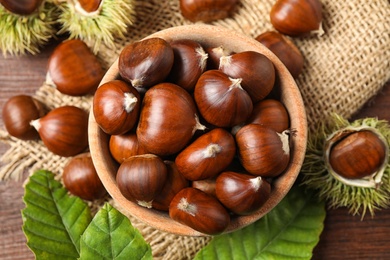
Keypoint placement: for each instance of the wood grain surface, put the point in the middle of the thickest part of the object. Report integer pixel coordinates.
(344, 236)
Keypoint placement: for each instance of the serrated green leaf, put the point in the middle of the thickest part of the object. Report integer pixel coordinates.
(290, 231)
(53, 221)
(111, 236)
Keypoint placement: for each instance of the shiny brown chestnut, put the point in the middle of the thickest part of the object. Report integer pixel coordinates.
(116, 106)
(221, 100)
(200, 211)
(146, 63)
(357, 155)
(168, 119)
(18, 112)
(81, 179)
(263, 151)
(64, 130)
(207, 10)
(141, 178)
(284, 49)
(74, 69)
(21, 7)
(256, 71)
(297, 17)
(124, 146)
(175, 182)
(190, 60)
(242, 193)
(271, 113)
(207, 156)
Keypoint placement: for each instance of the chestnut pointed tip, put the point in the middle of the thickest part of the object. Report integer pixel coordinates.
(211, 150)
(137, 83)
(145, 204)
(320, 31)
(130, 101)
(187, 207)
(198, 125)
(225, 61)
(256, 183)
(284, 137)
(36, 124)
(236, 83)
(203, 57)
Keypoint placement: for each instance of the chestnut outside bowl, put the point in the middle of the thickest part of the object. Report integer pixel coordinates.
(207, 35)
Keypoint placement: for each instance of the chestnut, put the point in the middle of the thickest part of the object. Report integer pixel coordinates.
(284, 49)
(200, 211)
(256, 71)
(168, 119)
(190, 60)
(146, 63)
(263, 151)
(242, 193)
(81, 179)
(21, 7)
(297, 17)
(141, 178)
(124, 146)
(175, 182)
(221, 100)
(18, 112)
(357, 154)
(207, 156)
(207, 10)
(74, 69)
(116, 106)
(64, 130)
(271, 113)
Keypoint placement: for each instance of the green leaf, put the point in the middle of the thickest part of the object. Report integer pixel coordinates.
(290, 231)
(53, 221)
(111, 236)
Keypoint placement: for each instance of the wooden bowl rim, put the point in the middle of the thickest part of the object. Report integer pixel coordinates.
(207, 35)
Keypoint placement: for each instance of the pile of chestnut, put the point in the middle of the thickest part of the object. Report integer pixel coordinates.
(74, 71)
(197, 132)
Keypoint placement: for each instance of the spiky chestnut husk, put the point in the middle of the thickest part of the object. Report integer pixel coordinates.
(103, 26)
(359, 196)
(22, 34)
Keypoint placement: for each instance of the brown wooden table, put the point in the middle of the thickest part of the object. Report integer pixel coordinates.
(344, 236)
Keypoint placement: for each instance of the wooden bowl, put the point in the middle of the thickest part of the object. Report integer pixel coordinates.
(207, 35)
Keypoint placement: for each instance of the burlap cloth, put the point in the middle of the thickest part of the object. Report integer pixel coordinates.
(343, 69)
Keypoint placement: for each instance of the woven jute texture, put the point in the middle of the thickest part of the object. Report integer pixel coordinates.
(344, 68)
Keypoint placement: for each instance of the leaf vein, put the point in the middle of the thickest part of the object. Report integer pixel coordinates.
(38, 220)
(52, 238)
(32, 202)
(287, 224)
